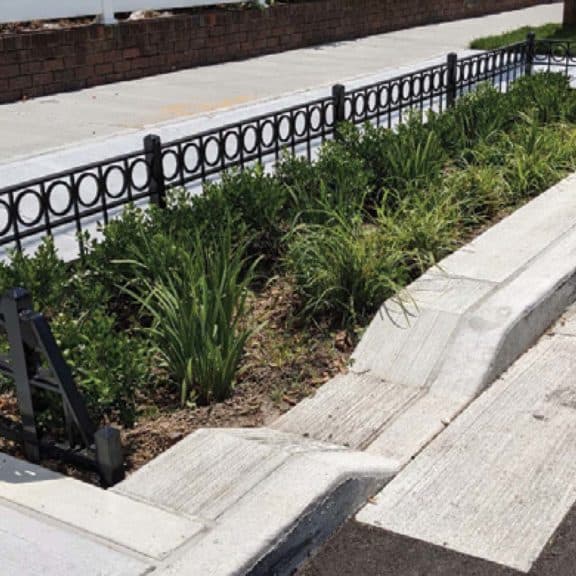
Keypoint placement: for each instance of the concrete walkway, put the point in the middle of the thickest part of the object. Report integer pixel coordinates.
(62, 120)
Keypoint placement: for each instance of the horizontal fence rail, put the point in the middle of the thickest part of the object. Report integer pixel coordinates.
(555, 55)
(28, 10)
(77, 200)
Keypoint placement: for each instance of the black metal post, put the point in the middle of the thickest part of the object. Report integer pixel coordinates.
(157, 183)
(530, 52)
(109, 455)
(339, 99)
(451, 86)
(16, 301)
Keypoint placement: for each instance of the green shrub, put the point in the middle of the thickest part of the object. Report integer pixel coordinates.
(255, 201)
(546, 96)
(43, 274)
(337, 183)
(343, 271)
(474, 118)
(409, 158)
(110, 365)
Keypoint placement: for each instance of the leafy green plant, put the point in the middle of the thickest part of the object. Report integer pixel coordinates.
(546, 97)
(259, 203)
(343, 271)
(337, 183)
(474, 119)
(421, 229)
(197, 312)
(406, 159)
(43, 274)
(110, 365)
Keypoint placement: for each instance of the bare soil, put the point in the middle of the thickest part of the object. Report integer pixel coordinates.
(285, 361)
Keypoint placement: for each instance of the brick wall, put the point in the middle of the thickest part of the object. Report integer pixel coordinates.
(40, 63)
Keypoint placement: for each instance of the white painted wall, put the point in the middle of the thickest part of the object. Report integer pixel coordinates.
(26, 10)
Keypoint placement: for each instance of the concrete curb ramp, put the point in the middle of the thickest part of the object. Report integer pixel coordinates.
(220, 502)
(464, 323)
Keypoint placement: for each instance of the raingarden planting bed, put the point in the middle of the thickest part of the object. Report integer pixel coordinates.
(226, 309)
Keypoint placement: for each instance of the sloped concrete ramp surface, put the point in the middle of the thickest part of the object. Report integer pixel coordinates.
(499, 481)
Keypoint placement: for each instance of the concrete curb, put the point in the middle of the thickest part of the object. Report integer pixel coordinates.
(500, 480)
(268, 497)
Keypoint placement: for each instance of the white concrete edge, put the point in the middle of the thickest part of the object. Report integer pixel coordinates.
(112, 517)
(348, 493)
(276, 525)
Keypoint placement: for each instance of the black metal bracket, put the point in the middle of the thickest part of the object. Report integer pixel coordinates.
(35, 361)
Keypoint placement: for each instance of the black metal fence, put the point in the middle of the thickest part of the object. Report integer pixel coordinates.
(35, 364)
(76, 199)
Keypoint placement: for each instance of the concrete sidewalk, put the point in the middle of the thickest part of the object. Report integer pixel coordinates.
(64, 120)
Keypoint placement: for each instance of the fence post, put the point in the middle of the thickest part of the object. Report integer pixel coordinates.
(451, 86)
(109, 455)
(107, 15)
(17, 300)
(339, 99)
(157, 184)
(530, 52)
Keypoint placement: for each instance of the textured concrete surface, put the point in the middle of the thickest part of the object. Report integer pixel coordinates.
(360, 549)
(60, 120)
(499, 481)
(460, 326)
(268, 496)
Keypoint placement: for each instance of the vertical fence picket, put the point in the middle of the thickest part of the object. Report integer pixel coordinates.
(157, 182)
(451, 84)
(530, 52)
(339, 103)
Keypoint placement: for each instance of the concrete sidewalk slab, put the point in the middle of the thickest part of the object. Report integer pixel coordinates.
(120, 520)
(499, 481)
(32, 547)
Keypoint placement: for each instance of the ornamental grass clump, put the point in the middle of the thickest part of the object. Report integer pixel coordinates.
(343, 271)
(197, 310)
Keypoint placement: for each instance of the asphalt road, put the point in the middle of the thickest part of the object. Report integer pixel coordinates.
(362, 550)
